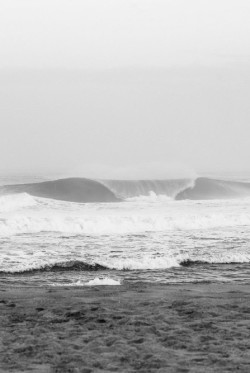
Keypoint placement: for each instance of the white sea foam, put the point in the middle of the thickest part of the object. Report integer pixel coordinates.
(127, 189)
(108, 221)
(224, 258)
(103, 281)
(152, 197)
(106, 281)
(126, 261)
(143, 263)
(13, 202)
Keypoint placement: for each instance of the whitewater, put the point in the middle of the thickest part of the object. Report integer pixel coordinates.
(78, 231)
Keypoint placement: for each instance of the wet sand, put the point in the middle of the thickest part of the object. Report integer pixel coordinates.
(129, 328)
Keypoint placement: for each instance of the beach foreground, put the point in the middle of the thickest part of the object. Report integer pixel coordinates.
(128, 328)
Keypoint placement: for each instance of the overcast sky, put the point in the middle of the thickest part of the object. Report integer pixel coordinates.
(124, 82)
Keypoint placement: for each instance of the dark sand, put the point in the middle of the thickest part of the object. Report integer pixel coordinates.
(129, 328)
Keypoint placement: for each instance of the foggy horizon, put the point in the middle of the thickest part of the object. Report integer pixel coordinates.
(121, 84)
(69, 119)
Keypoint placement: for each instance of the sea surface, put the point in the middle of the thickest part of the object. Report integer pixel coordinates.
(164, 231)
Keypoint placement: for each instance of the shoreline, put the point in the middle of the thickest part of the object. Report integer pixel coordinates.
(137, 327)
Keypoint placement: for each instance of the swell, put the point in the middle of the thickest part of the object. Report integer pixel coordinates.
(205, 188)
(71, 189)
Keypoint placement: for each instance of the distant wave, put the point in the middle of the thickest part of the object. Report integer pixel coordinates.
(205, 188)
(86, 190)
(71, 189)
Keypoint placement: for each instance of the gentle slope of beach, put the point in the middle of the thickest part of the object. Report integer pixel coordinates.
(128, 328)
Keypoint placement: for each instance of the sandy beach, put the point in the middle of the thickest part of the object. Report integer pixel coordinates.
(129, 328)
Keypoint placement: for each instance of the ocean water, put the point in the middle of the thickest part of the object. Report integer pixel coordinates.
(79, 232)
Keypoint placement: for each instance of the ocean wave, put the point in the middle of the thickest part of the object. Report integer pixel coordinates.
(86, 190)
(72, 190)
(67, 266)
(122, 264)
(140, 263)
(205, 188)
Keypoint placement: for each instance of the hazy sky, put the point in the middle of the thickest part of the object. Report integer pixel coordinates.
(124, 82)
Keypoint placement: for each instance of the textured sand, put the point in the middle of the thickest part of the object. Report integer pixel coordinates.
(128, 328)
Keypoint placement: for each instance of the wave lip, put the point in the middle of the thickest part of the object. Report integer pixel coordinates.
(205, 189)
(79, 190)
(127, 189)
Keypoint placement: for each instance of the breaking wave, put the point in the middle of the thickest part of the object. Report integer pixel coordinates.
(146, 263)
(82, 266)
(71, 189)
(152, 188)
(86, 190)
(205, 188)
(72, 265)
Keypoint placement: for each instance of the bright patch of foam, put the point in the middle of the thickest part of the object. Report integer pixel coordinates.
(41, 215)
(143, 263)
(95, 282)
(224, 258)
(152, 197)
(103, 281)
(13, 202)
